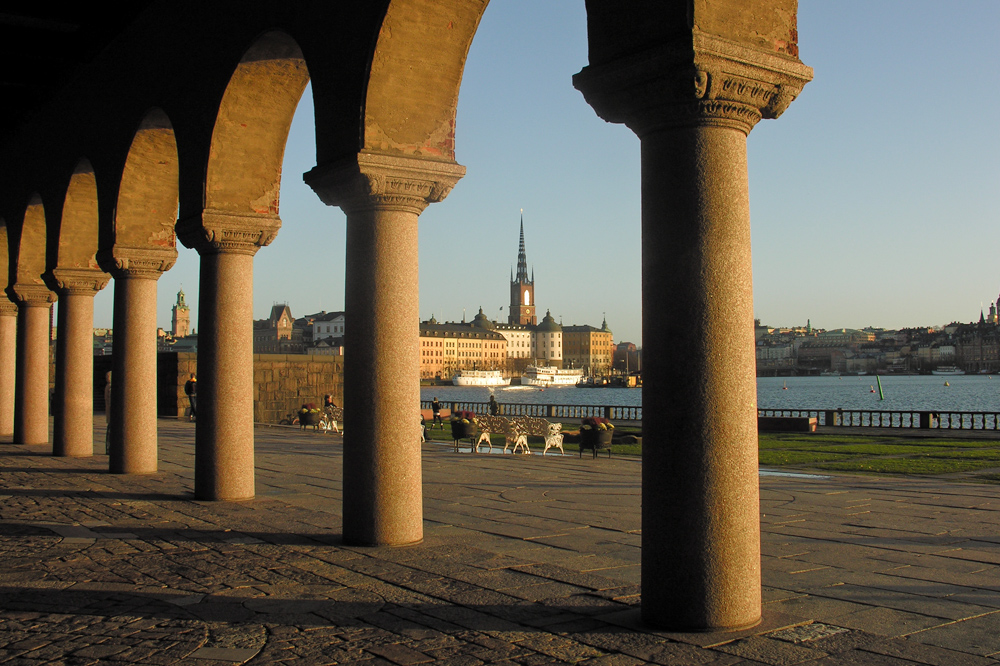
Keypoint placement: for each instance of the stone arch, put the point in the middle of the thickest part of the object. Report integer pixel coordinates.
(31, 245)
(415, 76)
(243, 174)
(146, 208)
(78, 231)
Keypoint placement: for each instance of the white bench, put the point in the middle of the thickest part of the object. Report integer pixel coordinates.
(516, 432)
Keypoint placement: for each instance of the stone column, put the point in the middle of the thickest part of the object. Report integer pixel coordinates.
(31, 393)
(692, 110)
(73, 404)
(8, 363)
(383, 197)
(132, 437)
(224, 438)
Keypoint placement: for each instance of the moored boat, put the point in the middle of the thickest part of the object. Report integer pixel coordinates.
(947, 370)
(480, 378)
(547, 375)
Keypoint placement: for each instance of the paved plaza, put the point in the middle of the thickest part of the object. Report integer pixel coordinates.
(526, 560)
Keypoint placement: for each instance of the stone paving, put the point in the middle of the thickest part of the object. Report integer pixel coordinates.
(527, 560)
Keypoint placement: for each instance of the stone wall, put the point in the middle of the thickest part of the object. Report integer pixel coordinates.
(282, 383)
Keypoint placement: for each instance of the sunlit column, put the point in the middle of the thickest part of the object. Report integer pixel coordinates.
(31, 393)
(8, 363)
(692, 108)
(383, 198)
(224, 437)
(132, 436)
(73, 403)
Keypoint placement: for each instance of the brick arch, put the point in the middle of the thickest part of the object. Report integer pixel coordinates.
(78, 228)
(415, 75)
(146, 207)
(31, 245)
(243, 174)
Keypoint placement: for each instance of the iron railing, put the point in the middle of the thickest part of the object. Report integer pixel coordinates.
(869, 418)
(556, 412)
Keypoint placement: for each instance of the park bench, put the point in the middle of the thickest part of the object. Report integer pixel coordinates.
(516, 432)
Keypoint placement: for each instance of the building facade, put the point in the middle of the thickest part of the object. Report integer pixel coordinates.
(590, 348)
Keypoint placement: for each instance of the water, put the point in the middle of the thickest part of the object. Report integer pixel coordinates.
(966, 393)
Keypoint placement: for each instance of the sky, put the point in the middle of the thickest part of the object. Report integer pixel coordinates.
(875, 198)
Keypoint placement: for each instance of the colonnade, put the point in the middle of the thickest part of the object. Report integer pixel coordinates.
(692, 104)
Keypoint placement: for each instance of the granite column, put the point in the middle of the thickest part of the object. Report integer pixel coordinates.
(8, 364)
(31, 397)
(224, 439)
(692, 110)
(383, 197)
(132, 437)
(73, 403)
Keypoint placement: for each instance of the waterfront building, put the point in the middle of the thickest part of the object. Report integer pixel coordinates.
(447, 348)
(590, 348)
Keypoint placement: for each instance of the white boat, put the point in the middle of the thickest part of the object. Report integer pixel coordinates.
(547, 375)
(480, 378)
(947, 370)
(829, 373)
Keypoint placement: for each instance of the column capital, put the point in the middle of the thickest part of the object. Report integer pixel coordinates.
(33, 294)
(701, 80)
(124, 261)
(385, 182)
(7, 307)
(216, 230)
(82, 281)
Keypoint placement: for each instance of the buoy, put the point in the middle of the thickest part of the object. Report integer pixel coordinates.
(947, 384)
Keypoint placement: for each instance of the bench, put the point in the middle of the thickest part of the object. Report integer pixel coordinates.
(786, 423)
(516, 432)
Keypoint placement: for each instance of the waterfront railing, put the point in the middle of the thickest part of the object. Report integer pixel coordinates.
(868, 418)
(553, 412)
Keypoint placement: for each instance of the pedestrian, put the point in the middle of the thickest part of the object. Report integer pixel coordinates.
(494, 405)
(107, 412)
(191, 391)
(436, 408)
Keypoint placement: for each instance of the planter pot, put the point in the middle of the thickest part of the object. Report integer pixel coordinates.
(595, 440)
(460, 430)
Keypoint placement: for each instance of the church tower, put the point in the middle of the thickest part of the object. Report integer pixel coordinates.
(182, 317)
(522, 289)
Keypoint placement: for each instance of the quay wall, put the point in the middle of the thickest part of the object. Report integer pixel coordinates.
(282, 382)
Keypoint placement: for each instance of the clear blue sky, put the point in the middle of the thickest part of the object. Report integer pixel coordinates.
(875, 199)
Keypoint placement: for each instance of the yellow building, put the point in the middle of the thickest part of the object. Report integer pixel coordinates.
(592, 349)
(447, 348)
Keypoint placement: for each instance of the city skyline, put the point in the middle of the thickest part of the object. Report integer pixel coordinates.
(863, 195)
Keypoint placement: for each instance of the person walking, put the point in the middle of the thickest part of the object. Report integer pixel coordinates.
(494, 405)
(191, 391)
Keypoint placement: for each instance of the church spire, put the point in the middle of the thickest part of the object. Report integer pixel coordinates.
(522, 260)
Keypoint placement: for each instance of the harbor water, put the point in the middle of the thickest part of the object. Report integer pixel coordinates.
(960, 393)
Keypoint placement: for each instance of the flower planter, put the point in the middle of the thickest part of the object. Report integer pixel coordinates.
(595, 439)
(462, 430)
(309, 418)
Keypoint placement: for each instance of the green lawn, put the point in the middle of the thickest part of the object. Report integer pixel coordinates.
(874, 454)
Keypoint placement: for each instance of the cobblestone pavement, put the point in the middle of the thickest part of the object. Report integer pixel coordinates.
(527, 560)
